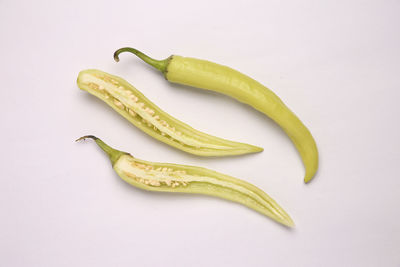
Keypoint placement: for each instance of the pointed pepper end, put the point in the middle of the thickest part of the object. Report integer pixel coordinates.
(289, 223)
(308, 178)
(255, 149)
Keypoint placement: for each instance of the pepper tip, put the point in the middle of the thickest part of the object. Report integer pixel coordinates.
(287, 221)
(308, 178)
(290, 224)
(259, 149)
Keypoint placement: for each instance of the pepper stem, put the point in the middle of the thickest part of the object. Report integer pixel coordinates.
(112, 153)
(161, 65)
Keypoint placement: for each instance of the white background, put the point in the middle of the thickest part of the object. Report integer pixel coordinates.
(334, 63)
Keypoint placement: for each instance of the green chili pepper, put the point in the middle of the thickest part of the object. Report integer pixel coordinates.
(211, 76)
(141, 112)
(167, 177)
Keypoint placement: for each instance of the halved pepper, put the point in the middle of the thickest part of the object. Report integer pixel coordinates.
(144, 114)
(166, 177)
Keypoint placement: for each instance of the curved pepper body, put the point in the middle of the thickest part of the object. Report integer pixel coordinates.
(144, 114)
(211, 76)
(167, 177)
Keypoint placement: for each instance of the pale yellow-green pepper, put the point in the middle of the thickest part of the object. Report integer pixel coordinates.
(211, 76)
(167, 177)
(144, 114)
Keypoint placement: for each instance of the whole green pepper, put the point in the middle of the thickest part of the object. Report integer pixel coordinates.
(211, 76)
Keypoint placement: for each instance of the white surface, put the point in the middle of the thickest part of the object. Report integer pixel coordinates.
(335, 63)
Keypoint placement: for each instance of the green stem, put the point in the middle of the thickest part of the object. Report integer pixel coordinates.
(161, 65)
(112, 153)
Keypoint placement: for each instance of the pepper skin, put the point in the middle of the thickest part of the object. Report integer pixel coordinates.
(211, 76)
(190, 179)
(141, 112)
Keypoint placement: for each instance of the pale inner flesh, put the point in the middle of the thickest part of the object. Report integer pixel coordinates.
(163, 176)
(124, 98)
